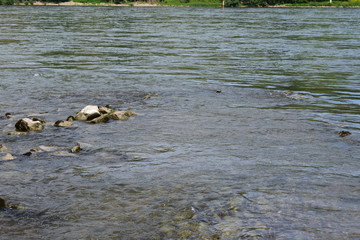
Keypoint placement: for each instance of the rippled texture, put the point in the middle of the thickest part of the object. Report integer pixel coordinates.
(247, 162)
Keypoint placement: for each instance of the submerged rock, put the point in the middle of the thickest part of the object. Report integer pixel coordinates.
(343, 133)
(3, 148)
(64, 154)
(27, 124)
(6, 116)
(76, 148)
(15, 133)
(122, 115)
(7, 157)
(2, 203)
(150, 95)
(70, 118)
(101, 119)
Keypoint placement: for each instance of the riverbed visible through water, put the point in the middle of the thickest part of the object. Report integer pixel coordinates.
(237, 132)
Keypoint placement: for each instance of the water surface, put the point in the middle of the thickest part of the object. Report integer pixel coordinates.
(239, 141)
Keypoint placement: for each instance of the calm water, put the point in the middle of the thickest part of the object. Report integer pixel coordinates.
(259, 160)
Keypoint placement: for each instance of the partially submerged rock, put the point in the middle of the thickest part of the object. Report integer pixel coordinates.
(76, 148)
(101, 119)
(343, 133)
(6, 157)
(62, 123)
(2, 203)
(122, 115)
(100, 114)
(150, 95)
(3, 148)
(88, 113)
(27, 124)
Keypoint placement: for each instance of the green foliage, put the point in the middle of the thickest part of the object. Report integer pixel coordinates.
(232, 3)
(99, 1)
(7, 2)
(255, 3)
(191, 3)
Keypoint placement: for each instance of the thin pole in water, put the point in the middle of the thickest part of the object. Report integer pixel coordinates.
(223, 4)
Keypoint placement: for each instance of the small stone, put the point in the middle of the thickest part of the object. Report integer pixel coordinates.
(8, 115)
(343, 133)
(49, 148)
(7, 157)
(3, 148)
(70, 118)
(64, 154)
(76, 148)
(36, 150)
(88, 113)
(104, 110)
(101, 119)
(27, 124)
(15, 133)
(150, 95)
(62, 123)
(122, 115)
(218, 91)
(27, 153)
(2, 203)
(39, 120)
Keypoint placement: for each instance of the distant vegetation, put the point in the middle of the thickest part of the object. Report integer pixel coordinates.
(207, 3)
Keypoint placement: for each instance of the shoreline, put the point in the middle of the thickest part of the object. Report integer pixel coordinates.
(72, 3)
(147, 4)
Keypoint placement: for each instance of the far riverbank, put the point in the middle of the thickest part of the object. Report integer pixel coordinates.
(179, 3)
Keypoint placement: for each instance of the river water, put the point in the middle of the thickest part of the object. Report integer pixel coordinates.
(237, 141)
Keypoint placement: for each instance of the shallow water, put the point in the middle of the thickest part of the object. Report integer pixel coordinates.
(259, 159)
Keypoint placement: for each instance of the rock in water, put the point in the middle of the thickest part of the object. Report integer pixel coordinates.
(27, 124)
(7, 157)
(122, 115)
(344, 133)
(76, 148)
(101, 119)
(62, 123)
(100, 114)
(88, 113)
(3, 148)
(2, 203)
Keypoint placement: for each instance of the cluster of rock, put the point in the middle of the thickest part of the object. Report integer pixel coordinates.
(91, 114)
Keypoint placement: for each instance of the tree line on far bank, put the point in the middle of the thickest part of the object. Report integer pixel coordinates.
(228, 3)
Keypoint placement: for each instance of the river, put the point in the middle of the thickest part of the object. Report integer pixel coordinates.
(236, 135)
